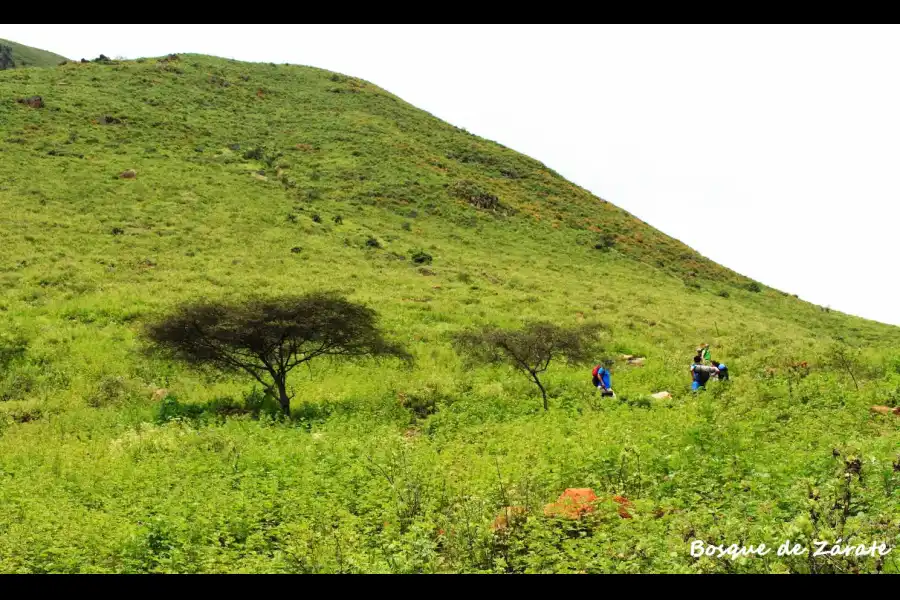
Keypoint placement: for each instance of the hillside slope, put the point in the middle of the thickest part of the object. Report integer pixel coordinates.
(277, 178)
(13, 55)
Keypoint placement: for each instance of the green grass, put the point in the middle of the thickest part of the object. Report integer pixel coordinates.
(99, 475)
(17, 56)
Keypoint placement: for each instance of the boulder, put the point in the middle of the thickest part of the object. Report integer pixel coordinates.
(160, 394)
(885, 410)
(129, 174)
(32, 101)
(572, 504)
(636, 361)
(661, 395)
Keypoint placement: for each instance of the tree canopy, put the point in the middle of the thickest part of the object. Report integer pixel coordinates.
(267, 338)
(532, 348)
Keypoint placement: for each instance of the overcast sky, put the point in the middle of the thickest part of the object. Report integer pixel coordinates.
(772, 150)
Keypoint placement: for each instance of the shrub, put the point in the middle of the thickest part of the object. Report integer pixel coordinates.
(723, 293)
(424, 401)
(420, 257)
(754, 287)
(254, 154)
(406, 226)
(607, 241)
(111, 390)
(372, 242)
(474, 195)
(12, 349)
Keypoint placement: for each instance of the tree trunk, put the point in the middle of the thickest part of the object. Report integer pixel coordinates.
(283, 398)
(543, 391)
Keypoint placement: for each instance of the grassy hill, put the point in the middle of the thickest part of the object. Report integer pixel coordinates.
(288, 179)
(13, 55)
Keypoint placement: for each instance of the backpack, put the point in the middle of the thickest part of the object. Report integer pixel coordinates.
(701, 373)
(595, 376)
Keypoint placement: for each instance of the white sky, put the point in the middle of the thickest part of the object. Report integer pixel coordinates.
(772, 150)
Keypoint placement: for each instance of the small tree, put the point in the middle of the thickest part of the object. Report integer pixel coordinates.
(530, 349)
(847, 359)
(269, 338)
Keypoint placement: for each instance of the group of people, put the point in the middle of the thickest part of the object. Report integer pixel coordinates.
(701, 372)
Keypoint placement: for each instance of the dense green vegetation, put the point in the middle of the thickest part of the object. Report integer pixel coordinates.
(268, 179)
(16, 56)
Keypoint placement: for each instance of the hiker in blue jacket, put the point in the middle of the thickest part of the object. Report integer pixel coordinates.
(723, 370)
(602, 380)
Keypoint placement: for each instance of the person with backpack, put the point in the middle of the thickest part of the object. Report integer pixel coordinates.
(701, 373)
(602, 380)
(723, 370)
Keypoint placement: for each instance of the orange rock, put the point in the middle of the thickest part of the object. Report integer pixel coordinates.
(576, 502)
(510, 515)
(572, 504)
(885, 410)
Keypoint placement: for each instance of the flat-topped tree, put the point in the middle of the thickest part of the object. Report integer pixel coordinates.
(268, 338)
(532, 348)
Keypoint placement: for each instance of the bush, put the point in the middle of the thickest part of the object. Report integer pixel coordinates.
(372, 242)
(423, 402)
(254, 154)
(754, 287)
(12, 349)
(723, 293)
(406, 226)
(110, 391)
(474, 195)
(420, 257)
(607, 241)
